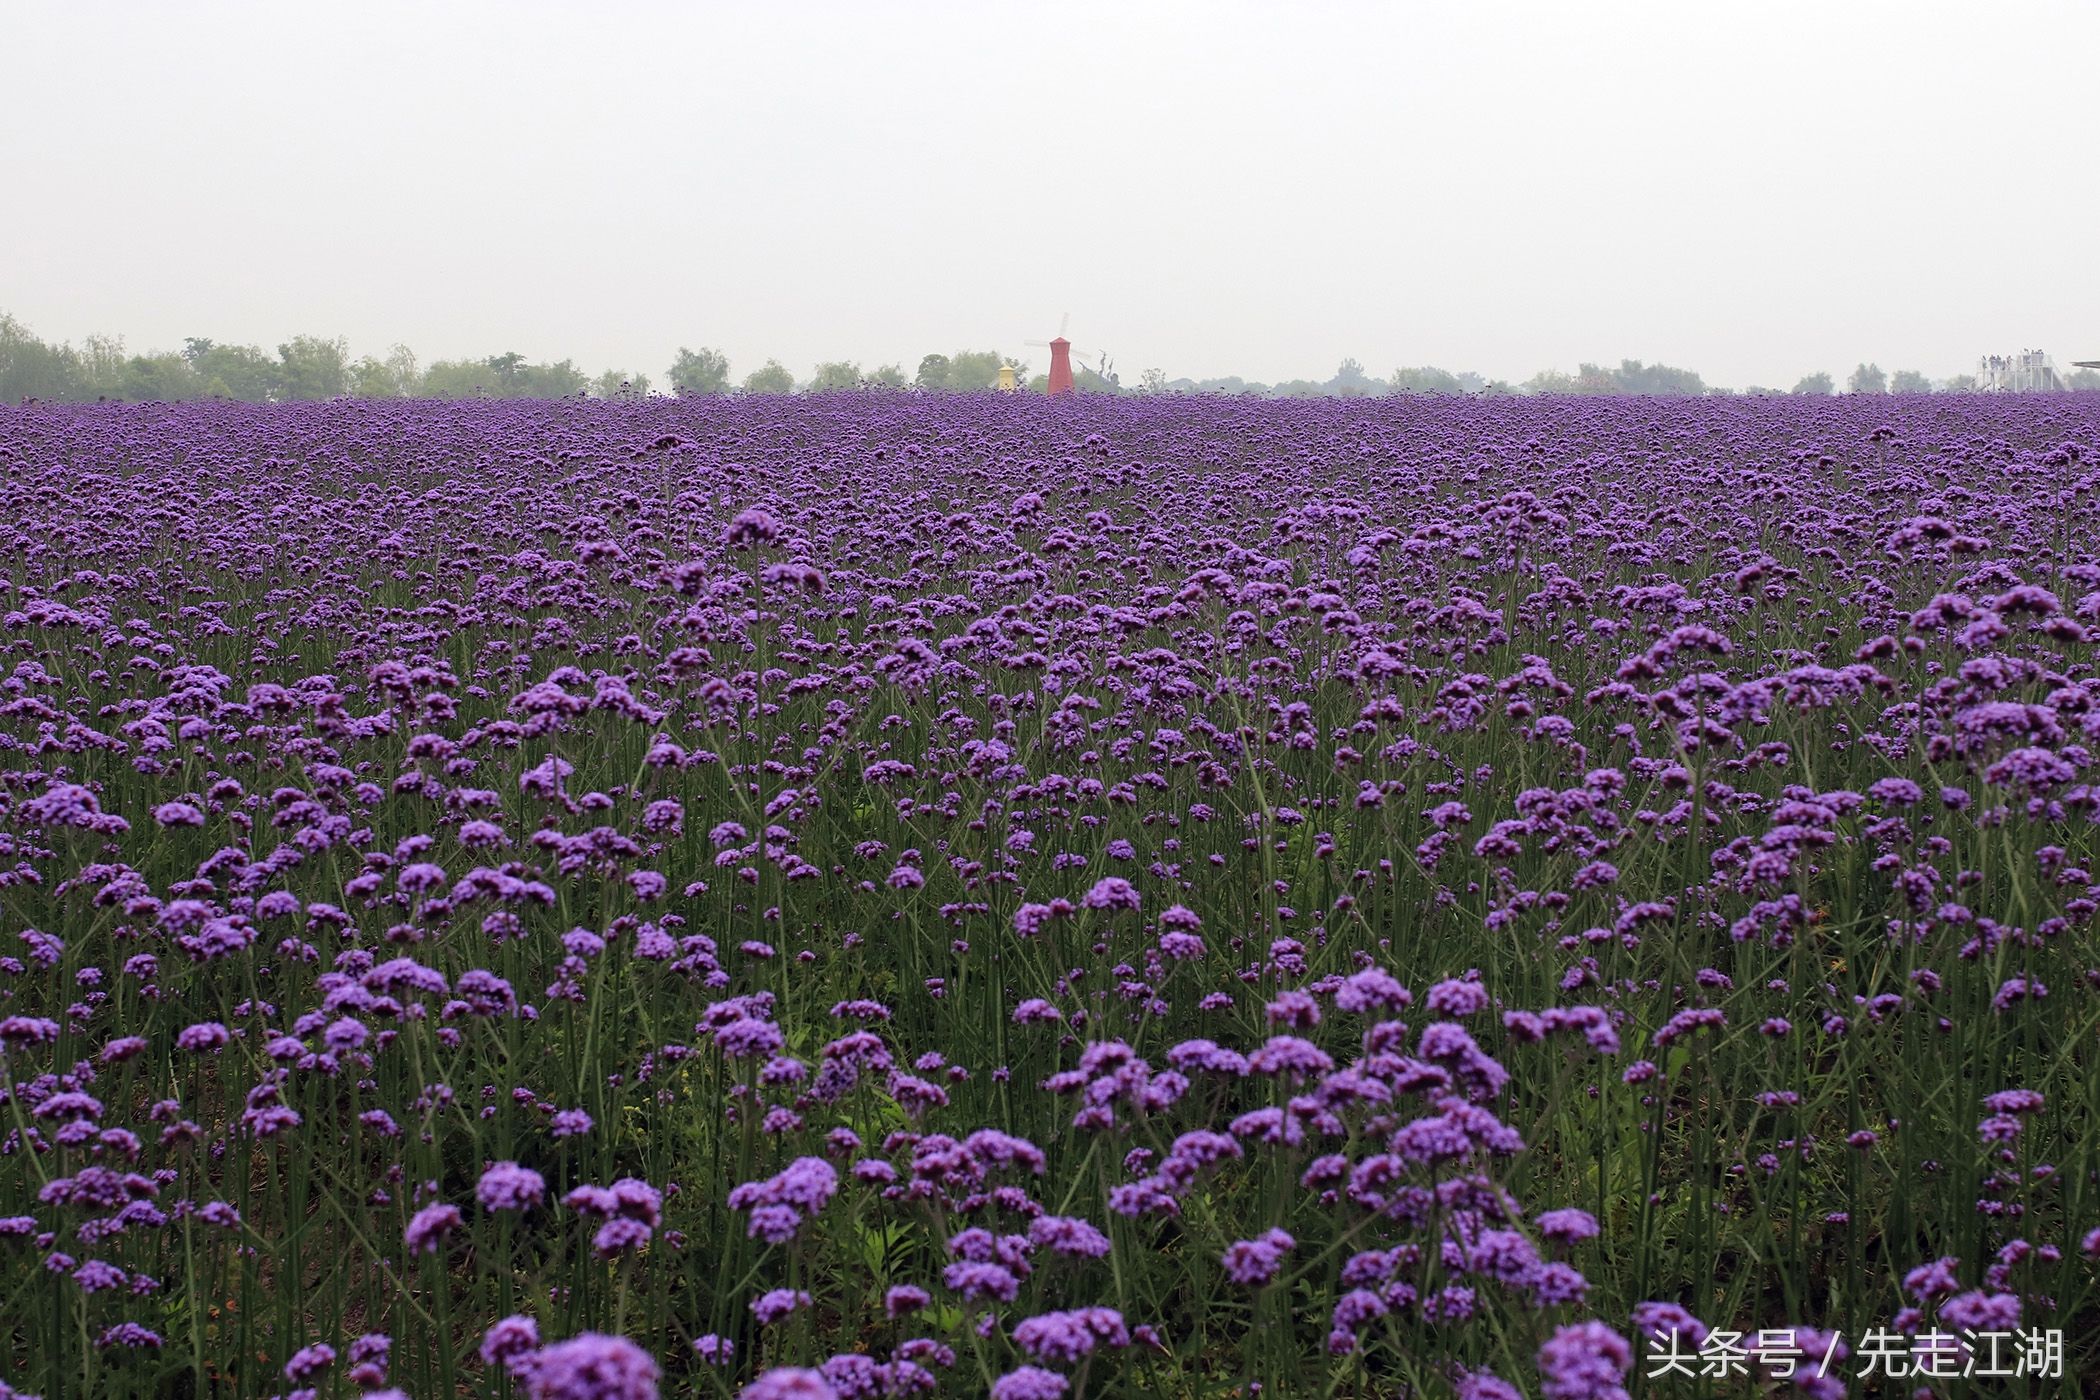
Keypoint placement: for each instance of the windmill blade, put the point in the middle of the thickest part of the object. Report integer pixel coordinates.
(1064, 324)
(1041, 344)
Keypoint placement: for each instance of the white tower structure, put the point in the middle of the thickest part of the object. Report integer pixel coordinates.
(2029, 372)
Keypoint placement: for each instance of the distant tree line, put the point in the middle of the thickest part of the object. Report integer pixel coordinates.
(315, 367)
(304, 367)
(706, 371)
(1628, 377)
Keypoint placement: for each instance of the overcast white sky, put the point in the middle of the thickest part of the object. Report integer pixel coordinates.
(1751, 190)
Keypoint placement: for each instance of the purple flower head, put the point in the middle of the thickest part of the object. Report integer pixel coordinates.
(1370, 991)
(2014, 1101)
(771, 1306)
(789, 1383)
(780, 1204)
(752, 526)
(308, 1362)
(1686, 1022)
(123, 1334)
(1457, 998)
(1029, 1383)
(1567, 1226)
(431, 1224)
(978, 1281)
(1064, 1338)
(510, 1340)
(1255, 1262)
(1981, 1311)
(204, 1037)
(1111, 892)
(1486, 1385)
(618, 1236)
(1585, 1361)
(903, 1299)
(508, 1186)
(592, 1366)
(1068, 1235)
(1660, 1321)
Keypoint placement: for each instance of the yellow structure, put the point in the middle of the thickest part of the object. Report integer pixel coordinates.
(1007, 383)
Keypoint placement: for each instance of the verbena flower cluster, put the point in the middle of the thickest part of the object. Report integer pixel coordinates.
(878, 896)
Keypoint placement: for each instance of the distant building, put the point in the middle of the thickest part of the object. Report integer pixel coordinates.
(2029, 372)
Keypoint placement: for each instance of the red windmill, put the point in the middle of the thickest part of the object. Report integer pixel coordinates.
(1061, 358)
(1060, 366)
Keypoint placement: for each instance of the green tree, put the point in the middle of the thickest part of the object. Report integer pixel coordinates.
(1550, 381)
(702, 371)
(887, 376)
(1817, 383)
(836, 374)
(31, 369)
(968, 370)
(401, 364)
(619, 384)
(1962, 384)
(313, 368)
(1423, 379)
(933, 372)
(1633, 377)
(1350, 381)
(506, 371)
(103, 360)
(2084, 379)
(394, 377)
(1152, 381)
(1867, 379)
(559, 380)
(770, 378)
(455, 379)
(162, 378)
(369, 379)
(1909, 381)
(241, 372)
(974, 369)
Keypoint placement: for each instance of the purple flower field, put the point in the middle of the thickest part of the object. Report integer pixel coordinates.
(877, 895)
